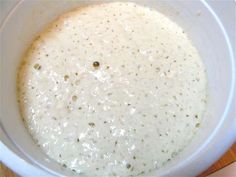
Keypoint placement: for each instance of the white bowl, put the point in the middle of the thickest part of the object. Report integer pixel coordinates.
(210, 36)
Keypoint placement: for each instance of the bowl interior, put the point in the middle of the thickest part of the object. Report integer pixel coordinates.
(31, 17)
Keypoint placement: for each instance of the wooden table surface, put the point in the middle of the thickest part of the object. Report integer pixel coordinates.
(226, 159)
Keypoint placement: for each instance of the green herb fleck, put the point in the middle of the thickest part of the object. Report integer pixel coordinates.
(91, 124)
(128, 165)
(37, 66)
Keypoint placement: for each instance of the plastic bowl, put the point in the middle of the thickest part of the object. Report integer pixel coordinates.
(207, 32)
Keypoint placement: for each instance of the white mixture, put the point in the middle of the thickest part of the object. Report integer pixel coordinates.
(112, 90)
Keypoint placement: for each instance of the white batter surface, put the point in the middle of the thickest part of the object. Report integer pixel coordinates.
(112, 90)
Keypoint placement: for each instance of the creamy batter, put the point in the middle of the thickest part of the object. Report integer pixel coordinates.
(115, 89)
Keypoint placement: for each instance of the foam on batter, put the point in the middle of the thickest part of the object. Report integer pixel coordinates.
(114, 89)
